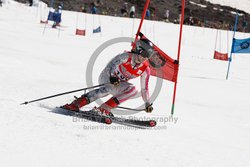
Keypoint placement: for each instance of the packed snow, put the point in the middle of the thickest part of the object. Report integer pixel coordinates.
(210, 126)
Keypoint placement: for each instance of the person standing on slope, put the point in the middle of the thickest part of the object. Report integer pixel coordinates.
(115, 77)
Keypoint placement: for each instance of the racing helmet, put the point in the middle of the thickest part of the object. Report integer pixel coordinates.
(144, 47)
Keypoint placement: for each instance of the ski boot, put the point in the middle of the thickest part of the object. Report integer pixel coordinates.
(76, 104)
(106, 107)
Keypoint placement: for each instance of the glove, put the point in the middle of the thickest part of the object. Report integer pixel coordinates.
(148, 107)
(115, 81)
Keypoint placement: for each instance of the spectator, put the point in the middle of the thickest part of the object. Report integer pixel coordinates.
(177, 21)
(83, 9)
(0, 2)
(191, 21)
(99, 2)
(244, 25)
(148, 13)
(231, 27)
(132, 12)
(166, 15)
(124, 9)
(93, 9)
(31, 2)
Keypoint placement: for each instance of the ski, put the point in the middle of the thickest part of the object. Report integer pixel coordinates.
(134, 122)
(89, 115)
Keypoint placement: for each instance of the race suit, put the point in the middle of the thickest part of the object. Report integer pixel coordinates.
(124, 68)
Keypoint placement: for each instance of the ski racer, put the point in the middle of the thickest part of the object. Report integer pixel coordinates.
(115, 77)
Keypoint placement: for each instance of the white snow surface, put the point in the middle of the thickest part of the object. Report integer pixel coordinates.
(212, 127)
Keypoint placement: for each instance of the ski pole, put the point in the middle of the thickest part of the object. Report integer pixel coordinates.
(133, 109)
(27, 102)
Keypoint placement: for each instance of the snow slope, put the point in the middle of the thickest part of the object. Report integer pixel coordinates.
(210, 127)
